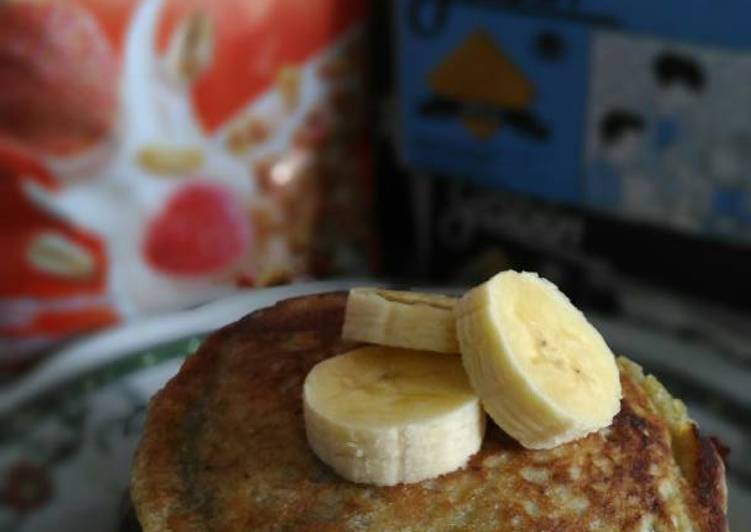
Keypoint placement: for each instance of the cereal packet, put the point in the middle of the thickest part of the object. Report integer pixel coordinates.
(156, 154)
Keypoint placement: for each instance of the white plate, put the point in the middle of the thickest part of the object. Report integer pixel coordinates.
(68, 431)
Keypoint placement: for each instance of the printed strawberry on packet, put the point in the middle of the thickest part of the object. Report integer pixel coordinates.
(156, 154)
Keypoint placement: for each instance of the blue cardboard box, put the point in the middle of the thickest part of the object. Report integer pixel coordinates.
(639, 109)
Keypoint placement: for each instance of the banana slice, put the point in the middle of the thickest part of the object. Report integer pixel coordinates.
(383, 416)
(401, 319)
(542, 371)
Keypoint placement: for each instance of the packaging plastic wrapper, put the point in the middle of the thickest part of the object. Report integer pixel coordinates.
(161, 153)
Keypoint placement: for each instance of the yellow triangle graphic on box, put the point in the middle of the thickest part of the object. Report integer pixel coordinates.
(478, 71)
(481, 127)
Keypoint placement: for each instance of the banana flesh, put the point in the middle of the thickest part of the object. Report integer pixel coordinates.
(395, 413)
(542, 371)
(401, 319)
(385, 416)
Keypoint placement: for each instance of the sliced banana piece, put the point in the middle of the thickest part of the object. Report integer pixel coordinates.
(401, 319)
(384, 416)
(542, 371)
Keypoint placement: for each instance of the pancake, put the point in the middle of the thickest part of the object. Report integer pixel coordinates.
(224, 449)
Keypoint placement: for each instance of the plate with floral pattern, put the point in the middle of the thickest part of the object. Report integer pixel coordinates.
(68, 431)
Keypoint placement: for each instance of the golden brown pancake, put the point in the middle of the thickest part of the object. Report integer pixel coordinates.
(224, 449)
